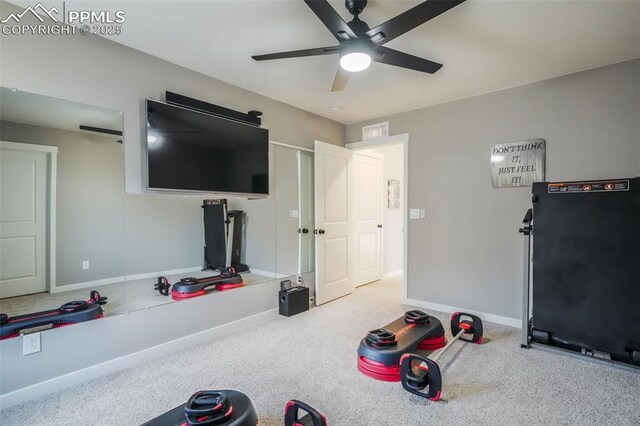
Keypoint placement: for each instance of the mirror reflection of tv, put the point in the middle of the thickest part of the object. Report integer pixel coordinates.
(192, 151)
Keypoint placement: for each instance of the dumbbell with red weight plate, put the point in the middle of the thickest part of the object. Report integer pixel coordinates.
(421, 375)
(297, 413)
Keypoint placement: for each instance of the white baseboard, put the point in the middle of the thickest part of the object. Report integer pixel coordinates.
(70, 379)
(163, 273)
(87, 284)
(114, 280)
(498, 319)
(393, 274)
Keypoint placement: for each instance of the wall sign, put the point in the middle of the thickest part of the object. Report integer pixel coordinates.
(515, 164)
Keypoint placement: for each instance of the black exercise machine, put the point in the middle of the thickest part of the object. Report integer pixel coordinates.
(222, 236)
(232, 408)
(421, 375)
(581, 273)
(70, 313)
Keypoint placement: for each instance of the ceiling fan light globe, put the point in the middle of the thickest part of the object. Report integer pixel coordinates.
(355, 61)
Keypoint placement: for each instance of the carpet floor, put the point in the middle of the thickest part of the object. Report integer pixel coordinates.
(312, 357)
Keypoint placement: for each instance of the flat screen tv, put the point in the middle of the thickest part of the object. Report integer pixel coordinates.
(188, 150)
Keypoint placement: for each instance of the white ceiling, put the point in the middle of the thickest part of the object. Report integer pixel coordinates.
(30, 108)
(484, 46)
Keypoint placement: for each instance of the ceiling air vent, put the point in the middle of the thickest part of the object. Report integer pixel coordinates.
(375, 131)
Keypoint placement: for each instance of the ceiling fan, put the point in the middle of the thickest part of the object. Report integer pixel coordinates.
(358, 44)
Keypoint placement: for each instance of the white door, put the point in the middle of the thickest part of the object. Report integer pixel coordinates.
(23, 220)
(368, 194)
(333, 218)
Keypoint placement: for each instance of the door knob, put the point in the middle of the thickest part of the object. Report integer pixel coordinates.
(379, 226)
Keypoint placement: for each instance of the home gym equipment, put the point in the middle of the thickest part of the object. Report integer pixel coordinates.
(232, 408)
(421, 375)
(215, 407)
(222, 236)
(190, 287)
(381, 349)
(309, 417)
(581, 278)
(293, 300)
(69, 313)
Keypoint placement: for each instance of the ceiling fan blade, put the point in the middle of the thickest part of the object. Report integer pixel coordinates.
(341, 79)
(410, 19)
(404, 60)
(331, 19)
(298, 53)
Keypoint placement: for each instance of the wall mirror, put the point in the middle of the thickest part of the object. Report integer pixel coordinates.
(174, 237)
(294, 215)
(61, 204)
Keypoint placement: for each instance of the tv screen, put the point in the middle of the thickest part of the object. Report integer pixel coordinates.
(189, 150)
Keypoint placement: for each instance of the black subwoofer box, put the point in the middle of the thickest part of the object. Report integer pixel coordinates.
(293, 301)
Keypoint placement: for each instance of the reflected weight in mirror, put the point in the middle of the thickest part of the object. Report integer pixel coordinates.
(72, 312)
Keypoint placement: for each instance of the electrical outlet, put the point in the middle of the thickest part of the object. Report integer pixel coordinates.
(285, 285)
(30, 343)
(299, 279)
(85, 264)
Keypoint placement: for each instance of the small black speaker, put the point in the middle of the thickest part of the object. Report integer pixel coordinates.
(293, 301)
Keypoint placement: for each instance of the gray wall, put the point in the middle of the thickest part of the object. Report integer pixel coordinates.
(97, 71)
(89, 202)
(162, 232)
(467, 252)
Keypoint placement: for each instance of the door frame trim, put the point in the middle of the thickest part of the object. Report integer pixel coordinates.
(52, 173)
(401, 139)
(290, 146)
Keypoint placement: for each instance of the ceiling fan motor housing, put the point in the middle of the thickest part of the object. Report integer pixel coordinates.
(355, 7)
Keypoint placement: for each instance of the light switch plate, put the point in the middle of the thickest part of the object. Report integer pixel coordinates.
(414, 213)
